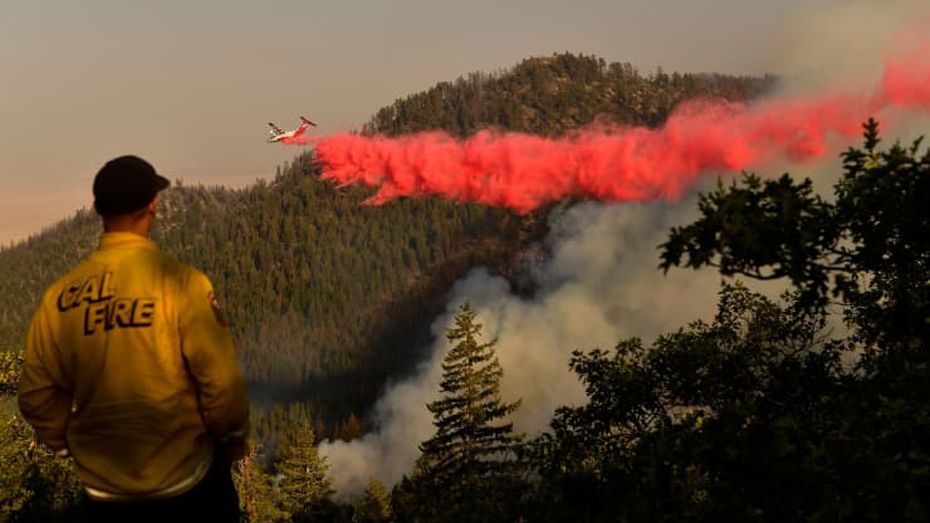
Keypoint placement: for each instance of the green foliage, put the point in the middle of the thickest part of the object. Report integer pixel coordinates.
(350, 428)
(304, 487)
(553, 95)
(471, 459)
(869, 248)
(255, 486)
(756, 417)
(27, 268)
(764, 229)
(13, 464)
(881, 204)
(375, 505)
(35, 485)
(11, 364)
(731, 421)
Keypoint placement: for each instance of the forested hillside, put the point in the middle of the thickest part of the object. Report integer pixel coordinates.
(328, 297)
(549, 96)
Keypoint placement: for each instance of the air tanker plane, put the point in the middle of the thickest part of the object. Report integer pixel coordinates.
(277, 134)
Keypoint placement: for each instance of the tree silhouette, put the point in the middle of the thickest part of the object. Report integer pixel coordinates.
(471, 459)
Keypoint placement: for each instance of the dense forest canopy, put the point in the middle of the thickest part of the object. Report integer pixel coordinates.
(549, 96)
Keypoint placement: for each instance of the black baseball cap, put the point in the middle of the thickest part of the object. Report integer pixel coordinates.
(126, 184)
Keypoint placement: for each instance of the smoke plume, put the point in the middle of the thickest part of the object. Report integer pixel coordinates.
(600, 285)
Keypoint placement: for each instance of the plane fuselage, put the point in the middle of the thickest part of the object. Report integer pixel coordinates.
(279, 137)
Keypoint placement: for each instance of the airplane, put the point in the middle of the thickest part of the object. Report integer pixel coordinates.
(278, 135)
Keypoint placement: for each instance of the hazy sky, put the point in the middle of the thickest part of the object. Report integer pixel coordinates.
(190, 86)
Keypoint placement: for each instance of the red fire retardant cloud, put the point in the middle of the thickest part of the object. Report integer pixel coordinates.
(521, 171)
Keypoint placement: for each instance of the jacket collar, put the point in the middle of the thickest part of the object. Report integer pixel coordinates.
(112, 240)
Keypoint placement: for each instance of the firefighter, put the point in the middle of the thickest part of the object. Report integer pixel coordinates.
(130, 370)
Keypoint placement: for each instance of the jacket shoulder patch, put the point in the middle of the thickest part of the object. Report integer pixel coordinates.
(217, 310)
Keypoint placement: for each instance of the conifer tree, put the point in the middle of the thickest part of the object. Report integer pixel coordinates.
(471, 459)
(256, 488)
(305, 485)
(375, 506)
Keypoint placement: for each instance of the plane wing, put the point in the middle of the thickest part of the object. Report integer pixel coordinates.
(303, 126)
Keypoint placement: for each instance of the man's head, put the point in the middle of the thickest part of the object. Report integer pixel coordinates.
(125, 193)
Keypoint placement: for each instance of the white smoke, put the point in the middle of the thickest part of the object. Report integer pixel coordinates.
(601, 283)
(843, 45)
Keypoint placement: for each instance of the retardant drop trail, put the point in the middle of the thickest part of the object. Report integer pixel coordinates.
(522, 172)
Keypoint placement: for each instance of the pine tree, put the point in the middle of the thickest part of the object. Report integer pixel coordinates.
(305, 485)
(471, 458)
(350, 428)
(375, 506)
(256, 488)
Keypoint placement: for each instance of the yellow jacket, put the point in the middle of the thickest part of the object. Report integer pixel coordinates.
(130, 366)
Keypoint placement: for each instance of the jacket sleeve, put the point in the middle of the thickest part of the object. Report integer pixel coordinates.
(44, 399)
(207, 346)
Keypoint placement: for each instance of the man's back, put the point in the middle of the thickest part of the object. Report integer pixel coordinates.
(137, 339)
